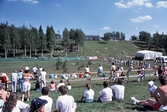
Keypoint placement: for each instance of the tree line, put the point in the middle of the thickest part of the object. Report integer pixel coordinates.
(22, 40)
(113, 35)
(157, 40)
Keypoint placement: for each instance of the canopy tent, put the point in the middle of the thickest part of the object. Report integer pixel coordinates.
(147, 55)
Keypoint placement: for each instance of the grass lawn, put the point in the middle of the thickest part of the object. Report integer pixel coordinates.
(132, 88)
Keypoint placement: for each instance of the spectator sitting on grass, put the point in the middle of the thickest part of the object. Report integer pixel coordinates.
(48, 106)
(65, 103)
(52, 86)
(118, 90)
(38, 105)
(88, 94)
(104, 74)
(161, 104)
(69, 86)
(63, 76)
(60, 84)
(15, 105)
(105, 95)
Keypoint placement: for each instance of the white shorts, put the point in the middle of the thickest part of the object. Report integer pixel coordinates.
(26, 86)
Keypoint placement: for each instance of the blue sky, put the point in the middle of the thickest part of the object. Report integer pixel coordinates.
(92, 16)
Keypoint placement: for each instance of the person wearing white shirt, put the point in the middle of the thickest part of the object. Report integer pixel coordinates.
(48, 105)
(34, 70)
(105, 95)
(118, 90)
(74, 75)
(14, 105)
(14, 81)
(65, 102)
(88, 94)
(60, 84)
(43, 78)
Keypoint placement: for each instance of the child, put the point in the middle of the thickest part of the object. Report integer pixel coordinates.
(105, 74)
(52, 86)
(37, 86)
(139, 74)
(69, 86)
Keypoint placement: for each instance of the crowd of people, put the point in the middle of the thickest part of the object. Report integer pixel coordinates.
(9, 101)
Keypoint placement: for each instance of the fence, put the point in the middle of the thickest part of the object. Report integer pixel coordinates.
(42, 59)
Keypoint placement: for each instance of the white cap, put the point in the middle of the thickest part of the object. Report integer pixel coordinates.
(151, 83)
(26, 68)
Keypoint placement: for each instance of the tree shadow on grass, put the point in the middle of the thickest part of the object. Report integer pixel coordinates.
(101, 42)
(139, 108)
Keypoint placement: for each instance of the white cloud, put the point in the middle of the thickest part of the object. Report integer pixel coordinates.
(133, 3)
(31, 1)
(141, 19)
(148, 5)
(105, 28)
(162, 4)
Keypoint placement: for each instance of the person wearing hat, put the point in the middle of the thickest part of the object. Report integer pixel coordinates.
(38, 105)
(26, 83)
(159, 104)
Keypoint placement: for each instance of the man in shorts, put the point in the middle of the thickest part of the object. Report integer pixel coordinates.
(161, 104)
(112, 70)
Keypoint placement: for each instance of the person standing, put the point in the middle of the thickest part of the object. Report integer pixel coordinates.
(26, 83)
(14, 81)
(112, 69)
(48, 106)
(160, 71)
(88, 95)
(43, 78)
(34, 70)
(20, 78)
(65, 103)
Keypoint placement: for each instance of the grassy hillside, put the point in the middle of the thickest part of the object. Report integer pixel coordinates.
(109, 49)
(113, 49)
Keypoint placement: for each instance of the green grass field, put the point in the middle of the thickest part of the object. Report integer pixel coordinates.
(133, 88)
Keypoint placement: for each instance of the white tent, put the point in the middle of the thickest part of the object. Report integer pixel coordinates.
(147, 55)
